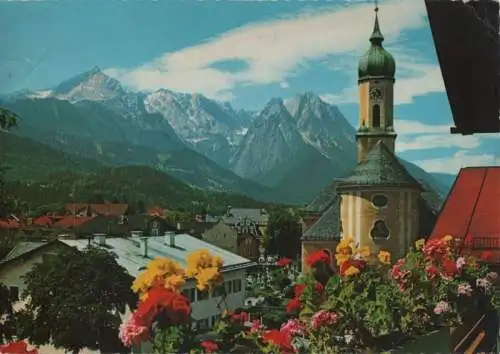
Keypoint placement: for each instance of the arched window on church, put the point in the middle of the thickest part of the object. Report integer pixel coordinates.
(376, 116)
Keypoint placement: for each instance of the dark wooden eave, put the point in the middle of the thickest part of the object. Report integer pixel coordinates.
(467, 43)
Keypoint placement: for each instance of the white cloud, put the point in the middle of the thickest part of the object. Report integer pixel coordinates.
(275, 50)
(411, 127)
(414, 135)
(436, 141)
(454, 163)
(284, 85)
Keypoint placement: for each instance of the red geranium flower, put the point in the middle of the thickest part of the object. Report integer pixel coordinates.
(280, 339)
(176, 306)
(356, 263)
(450, 267)
(293, 306)
(17, 348)
(298, 290)
(283, 262)
(316, 257)
(319, 288)
(431, 271)
(209, 346)
(240, 317)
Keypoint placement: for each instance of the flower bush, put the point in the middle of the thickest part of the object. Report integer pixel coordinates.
(369, 303)
(163, 314)
(365, 302)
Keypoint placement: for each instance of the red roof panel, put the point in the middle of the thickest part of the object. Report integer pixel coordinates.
(71, 221)
(486, 219)
(459, 207)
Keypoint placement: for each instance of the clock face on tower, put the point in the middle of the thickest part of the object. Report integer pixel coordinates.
(376, 93)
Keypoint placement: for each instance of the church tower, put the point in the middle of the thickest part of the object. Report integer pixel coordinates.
(379, 199)
(376, 72)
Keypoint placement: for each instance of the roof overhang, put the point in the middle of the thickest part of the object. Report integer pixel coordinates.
(467, 43)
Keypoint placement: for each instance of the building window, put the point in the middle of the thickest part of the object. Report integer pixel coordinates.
(202, 324)
(190, 294)
(380, 201)
(215, 319)
(379, 230)
(229, 287)
(376, 116)
(14, 293)
(218, 291)
(201, 295)
(237, 285)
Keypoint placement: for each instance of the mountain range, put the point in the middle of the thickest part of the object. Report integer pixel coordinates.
(287, 152)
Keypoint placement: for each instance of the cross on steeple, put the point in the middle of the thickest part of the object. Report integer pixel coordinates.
(376, 38)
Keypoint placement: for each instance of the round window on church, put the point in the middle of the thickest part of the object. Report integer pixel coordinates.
(380, 201)
(379, 230)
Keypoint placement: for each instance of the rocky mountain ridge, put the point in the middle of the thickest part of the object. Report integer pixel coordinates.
(295, 147)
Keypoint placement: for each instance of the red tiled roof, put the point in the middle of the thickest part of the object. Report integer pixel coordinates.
(9, 224)
(156, 211)
(103, 209)
(44, 220)
(71, 221)
(472, 209)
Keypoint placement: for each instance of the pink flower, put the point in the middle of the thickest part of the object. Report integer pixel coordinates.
(483, 283)
(293, 328)
(461, 262)
(442, 307)
(398, 272)
(465, 289)
(256, 326)
(131, 333)
(323, 318)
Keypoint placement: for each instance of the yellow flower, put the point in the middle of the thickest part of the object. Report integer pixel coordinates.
(351, 271)
(201, 259)
(207, 277)
(384, 257)
(419, 244)
(164, 267)
(364, 251)
(341, 258)
(174, 282)
(447, 238)
(144, 281)
(345, 246)
(216, 262)
(143, 297)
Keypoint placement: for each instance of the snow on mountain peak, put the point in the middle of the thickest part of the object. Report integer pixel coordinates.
(92, 85)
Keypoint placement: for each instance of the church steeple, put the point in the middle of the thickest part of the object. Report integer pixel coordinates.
(376, 72)
(377, 37)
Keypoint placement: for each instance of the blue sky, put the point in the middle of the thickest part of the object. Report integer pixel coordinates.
(245, 52)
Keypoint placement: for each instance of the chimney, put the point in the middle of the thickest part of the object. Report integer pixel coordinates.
(178, 226)
(170, 238)
(144, 246)
(101, 239)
